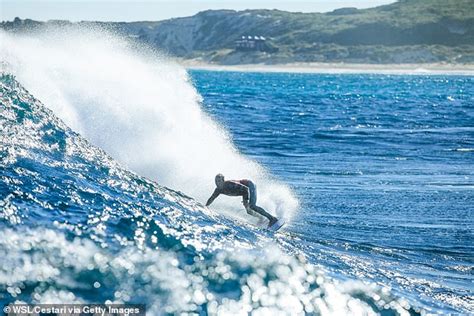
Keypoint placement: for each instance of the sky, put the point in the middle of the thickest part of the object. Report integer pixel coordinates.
(155, 10)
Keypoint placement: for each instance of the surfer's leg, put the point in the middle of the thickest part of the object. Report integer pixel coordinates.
(254, 214)
(253, 204)
(252, 200)
(271, 219)
(251, 212)
(262, 212)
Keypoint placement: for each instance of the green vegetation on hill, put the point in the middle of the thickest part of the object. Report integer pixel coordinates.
(408, 31)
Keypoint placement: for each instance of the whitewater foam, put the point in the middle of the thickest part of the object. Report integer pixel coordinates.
(87, 224)
(138, 106)
(247, 282)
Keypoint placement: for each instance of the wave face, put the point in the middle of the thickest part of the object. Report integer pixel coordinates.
(141, 109)
(78, 227)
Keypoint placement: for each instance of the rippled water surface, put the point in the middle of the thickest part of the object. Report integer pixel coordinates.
(103, 176)
(383, 166)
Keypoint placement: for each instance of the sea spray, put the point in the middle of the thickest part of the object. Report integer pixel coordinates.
(138, 106)
(78, 228)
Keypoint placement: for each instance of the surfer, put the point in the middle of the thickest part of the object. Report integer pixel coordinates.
(245, 188)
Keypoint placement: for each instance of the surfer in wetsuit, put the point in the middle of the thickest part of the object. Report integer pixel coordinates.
(245, 188)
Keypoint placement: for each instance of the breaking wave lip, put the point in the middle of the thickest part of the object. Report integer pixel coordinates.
(141, 108)
(77, 227)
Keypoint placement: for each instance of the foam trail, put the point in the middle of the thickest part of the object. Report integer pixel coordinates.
(139, 107)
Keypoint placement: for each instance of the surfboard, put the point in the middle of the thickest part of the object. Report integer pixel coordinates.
(279, 223)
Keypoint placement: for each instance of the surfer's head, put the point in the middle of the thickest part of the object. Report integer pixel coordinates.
(219, 179)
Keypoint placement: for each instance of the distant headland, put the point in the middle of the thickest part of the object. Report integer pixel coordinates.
(405, 32)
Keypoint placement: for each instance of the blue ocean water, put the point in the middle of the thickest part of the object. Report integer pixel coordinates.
(383, 167)
(77, 227)
(103, 176)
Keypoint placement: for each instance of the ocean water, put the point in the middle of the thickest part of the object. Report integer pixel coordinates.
(107, 153)
(383, 167)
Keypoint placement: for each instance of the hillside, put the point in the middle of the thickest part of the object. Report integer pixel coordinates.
(408, 31)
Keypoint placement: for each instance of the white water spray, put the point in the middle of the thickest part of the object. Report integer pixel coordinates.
(140, 108)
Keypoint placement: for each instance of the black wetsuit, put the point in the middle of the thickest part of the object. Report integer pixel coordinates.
(245, 188)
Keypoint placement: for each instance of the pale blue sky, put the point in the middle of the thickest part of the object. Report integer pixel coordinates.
(154, 10)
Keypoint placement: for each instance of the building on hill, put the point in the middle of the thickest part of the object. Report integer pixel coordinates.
(253, 43)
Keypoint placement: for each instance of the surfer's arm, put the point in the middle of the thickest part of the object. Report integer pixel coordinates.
(213, 197)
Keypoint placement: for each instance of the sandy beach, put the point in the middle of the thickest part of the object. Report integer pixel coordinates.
(389, 69)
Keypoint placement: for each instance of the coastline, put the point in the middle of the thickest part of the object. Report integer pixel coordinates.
(340, 68)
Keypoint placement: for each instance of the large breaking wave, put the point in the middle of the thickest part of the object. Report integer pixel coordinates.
(140, 108)
(78, 227)
(82, 215)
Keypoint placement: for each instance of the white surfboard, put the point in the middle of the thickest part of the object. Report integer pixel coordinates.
(279, 223)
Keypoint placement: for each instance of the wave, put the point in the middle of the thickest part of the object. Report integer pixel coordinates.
(140, 108)
(78, 227)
